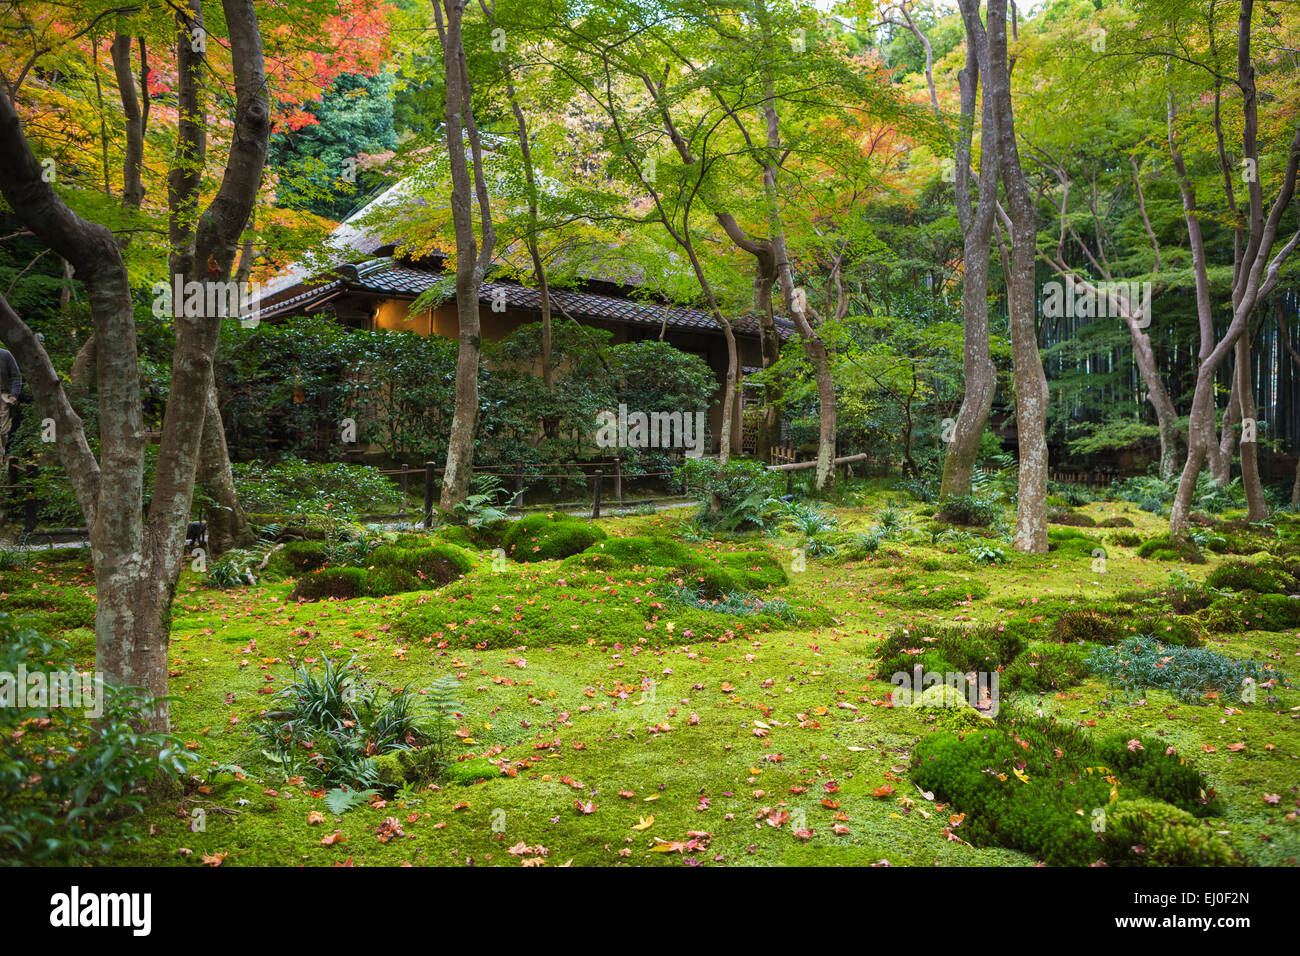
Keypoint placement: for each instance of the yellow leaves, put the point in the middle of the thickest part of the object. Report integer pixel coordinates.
(214, 859)
(645, 824)
(314, 818)
(1020, 775)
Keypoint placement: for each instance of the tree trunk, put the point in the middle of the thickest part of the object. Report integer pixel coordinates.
(471, 259)
(1220, 447)
(1022, 302)
(979, 373)
(1249, 444)
(227, 524)
(1157, 395)
(769, 429)
(797, 304)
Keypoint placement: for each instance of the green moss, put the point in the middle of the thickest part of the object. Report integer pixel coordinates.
(1047, 667)
(330, 583)
(711, 574)
(301, 556)
(1152, 833)
(940, 649)
(1033, 784)
(1072, 518)
(545, 537)
(1249, 576)
(1075, 627)
(1119, 521)
(58, 608)
(1251, 612)
(1169, 548)
(433, 565)
(934, 589)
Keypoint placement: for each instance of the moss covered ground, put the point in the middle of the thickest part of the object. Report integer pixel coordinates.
(605, 722)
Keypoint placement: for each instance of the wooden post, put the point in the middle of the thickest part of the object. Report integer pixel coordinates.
(618, 479)
(519, 485)
(595, 500)
(406, 473)
(789, 482)
(30, 506)
(429, 469)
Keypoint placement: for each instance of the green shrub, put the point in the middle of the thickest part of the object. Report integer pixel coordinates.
(1169, 548)
(549, 536)
(737, 496)
(967, 510)
(1125, 539)
(296, 487)
(70, 783)
(326, 583)
(1087, 625)
(327, 726)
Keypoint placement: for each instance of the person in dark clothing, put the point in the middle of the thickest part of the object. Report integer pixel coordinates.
(11, 387)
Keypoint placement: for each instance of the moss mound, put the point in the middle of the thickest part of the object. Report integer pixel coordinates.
(1119, 521)
(549, 536)
(1074, 627)
(1151, 833)
(712, 575)
(343, 583)
(1169, 548)
(431, 566)
(1032, 784)
(1261, 577)
(1073, 518)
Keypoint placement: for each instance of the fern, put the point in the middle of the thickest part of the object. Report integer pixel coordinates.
(339, 801)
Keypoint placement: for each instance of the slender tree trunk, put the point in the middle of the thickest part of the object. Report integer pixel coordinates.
(979, 373)
(769, 429)
(471, 259)
(1249, 445)
(1221, 444)
(227, 524)
(797, 304)
(1022, 301)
